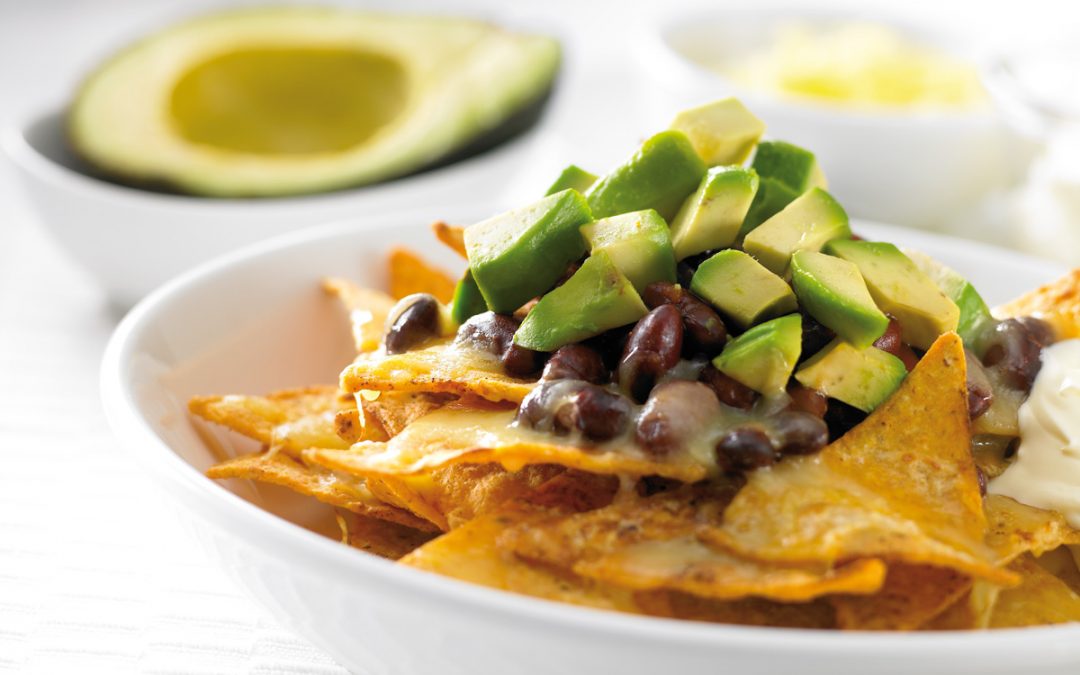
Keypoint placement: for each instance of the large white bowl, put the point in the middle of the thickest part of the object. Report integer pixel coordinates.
(255, 320)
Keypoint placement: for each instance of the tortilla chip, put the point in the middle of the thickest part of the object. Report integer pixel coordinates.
(290, 420)
(1061, 563)
(648, 544)
(342, 491)
(368, 310)
(469, 553)
(900, 486)
(451, 235)
(455, 434)
(352, 427)
(971, 611)
(395, 410)
(1014, 529)
(747, 612)
(912, 596)
(380, 537)
(1057, 303)
(1039, 600)
(437, 369)
(409, 273)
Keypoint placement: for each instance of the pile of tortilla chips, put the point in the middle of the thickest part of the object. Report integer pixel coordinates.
(884, 529)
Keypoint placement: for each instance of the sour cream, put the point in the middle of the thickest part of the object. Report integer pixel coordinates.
(1046, 472)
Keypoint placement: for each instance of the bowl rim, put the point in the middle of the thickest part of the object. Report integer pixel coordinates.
(655, 31)
(234, 516)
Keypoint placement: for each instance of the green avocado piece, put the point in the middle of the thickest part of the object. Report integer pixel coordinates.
(658, 176)
(806, 224)
(517, 255)
(742, 288)
(639, 244)
(862, 378)
(786, 171)
(974, 313)
(899, 288)
(468, 301)
(710, 218)
(279, 101)
(833, 292)
(763, 357)
(722, 132)
(573, 177)
(597, 298)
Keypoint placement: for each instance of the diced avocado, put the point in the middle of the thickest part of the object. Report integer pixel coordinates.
(658, 176)
(899, 288)
(573, 177)
(763, 357)
(974, 313)
(806, 224)
(723, 132)
(862, 378)
(468, 301)
(517, 255)
(786, 171)
(597, 298)
(710, 218)
(638, 243)
(742, 288)
(834, 293)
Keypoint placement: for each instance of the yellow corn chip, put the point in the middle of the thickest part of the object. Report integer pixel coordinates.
(1014, 529)
(900, 486)
(368, 310)
(1061, 563)
(451, 235)
(1040, 599)
(912, 596)
(380, 537)
(409, 273)
(1057, 303)
(352, 427)
(395, 410)
(746, 612)
(971, 611)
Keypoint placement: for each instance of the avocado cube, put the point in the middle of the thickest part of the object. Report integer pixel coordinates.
(742, 288)
(658, 176)
(899, 288)
(722, 132)
(974, 313)
(833, 292)
(597, 298)
(806, 224)
(639, 244)
(862, 378)
(763, 357)
(468, 301)
(711, 217)
(520, 254)
(786, 171)
(573, 177)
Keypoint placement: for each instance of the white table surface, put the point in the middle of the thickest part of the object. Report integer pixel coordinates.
(95, 575)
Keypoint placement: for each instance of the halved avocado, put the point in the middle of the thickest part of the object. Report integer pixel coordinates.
(282, 101)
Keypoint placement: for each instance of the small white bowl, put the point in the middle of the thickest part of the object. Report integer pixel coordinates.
(255, 320)
(131, 240)
(912, 168)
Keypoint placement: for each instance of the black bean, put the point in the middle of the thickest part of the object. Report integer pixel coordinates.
(807, 400)
(743, 449)
(892, 341)
(798, 433)
(518, 361)
(576, 362)
(653, 348)
(416, 321)
(675, 412)
(815, 336)
(494, 333)
(538, 408)
(980, 392)
(842, 418)
(704, 330)
(1014, 347)
(599, 414)
(729, 390)
(684, 272)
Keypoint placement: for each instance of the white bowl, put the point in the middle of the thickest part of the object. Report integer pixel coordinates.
(918, 169)
(255, 320)
(132, 240)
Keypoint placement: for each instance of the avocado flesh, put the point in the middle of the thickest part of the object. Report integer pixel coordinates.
(468, 301)
(658, 176)
(722, 132)
(283, 101)
(742, 288)
(899, 288)
(833, 291)
(863, 378)
(518, 255)
(974, 312)
(597, 298)
(638, 243)
(711, 217)
(573, 177)
(786, 171)
(763, 357)
(806, 224)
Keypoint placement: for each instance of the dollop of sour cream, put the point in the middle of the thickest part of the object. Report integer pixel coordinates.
(1046, 472)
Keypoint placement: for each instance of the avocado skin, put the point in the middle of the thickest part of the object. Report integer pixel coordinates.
(660, 176)
(863, 378)
(572, 177)
(520, 254)
(468, 301)
(763, 357)
(597, 298)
